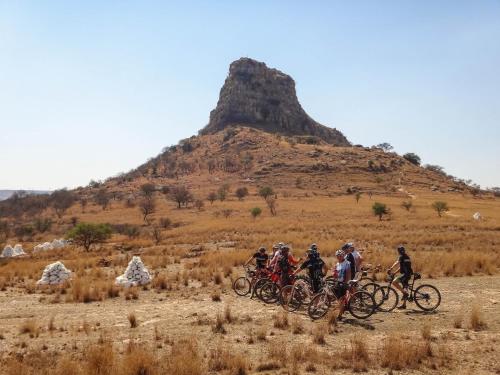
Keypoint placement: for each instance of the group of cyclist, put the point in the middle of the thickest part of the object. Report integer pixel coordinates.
(349, 266)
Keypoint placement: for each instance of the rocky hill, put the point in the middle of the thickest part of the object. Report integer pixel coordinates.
(264, 98)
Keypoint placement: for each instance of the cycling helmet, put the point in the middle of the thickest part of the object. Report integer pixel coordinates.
(281, 244)
(314, 247)
(345, 246)
(401, 249)
(340, 253)
(285, 248)
(276, 246)
(262, 249)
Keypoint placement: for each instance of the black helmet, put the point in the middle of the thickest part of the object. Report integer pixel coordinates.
(346, 246)
(314, 247)
(401, 249)
(262, 249)
(285, 248)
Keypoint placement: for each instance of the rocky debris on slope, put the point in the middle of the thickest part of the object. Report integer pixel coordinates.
(257, 96)
(46, 246)
(477, 216)
(54, 274)
(12, 252)
(135, 274)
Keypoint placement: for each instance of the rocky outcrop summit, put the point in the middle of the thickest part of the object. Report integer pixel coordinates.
(257, 96)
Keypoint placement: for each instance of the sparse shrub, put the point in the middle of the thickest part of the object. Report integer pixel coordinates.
(199, 204)
(266, 191)
(297, 326)
(222, 359)
(380, 209)
(212, 197)
(227, 212)
(256, 211)
(216, 296)
(457, 322)
(407, 205)
(148, 190)
(412, 158)
(440, 207)
(271, 204)
(42, 225)
(426, 331)
(61, 200)
(357, 354)
(89, 234)
(30, 326)
(157, 235)
(476, 319)
(165, 222)
(318, 334)
(147, 208)
(281, 320)
(241, 193)
(358, 196)
(102, 198)
(218, 326)
(100, 359)
(132, 319)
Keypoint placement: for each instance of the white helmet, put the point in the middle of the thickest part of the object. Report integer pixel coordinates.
(340, 253)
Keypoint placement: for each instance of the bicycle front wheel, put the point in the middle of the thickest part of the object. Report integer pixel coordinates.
(241, 286)
(370, 288)
(386, 299)
(270, 292)
(289, 298)
(361, 305)
(427, 297)
(319, 306)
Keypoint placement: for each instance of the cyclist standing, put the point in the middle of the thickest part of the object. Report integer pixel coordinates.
(342, 273)
(316, 267)
(284, 265)
(406, 271)
(261, 259)
(348, 248)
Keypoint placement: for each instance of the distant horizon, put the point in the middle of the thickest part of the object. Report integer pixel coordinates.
(94, 89)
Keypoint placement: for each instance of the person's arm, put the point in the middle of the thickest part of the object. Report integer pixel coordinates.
(248, 261)
(394, 265)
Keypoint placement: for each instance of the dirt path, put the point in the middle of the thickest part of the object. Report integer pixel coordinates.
(192, 311)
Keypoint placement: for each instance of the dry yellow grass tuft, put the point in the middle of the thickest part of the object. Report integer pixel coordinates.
(132, 319)
(31, 327)
(476, 319)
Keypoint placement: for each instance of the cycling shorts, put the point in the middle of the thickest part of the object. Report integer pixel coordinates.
(404, 278)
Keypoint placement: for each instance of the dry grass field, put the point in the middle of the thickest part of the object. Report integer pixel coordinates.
(189, 321)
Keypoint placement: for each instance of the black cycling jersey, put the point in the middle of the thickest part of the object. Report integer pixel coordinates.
(260, 259)
(352, 262)
(405, 264)
(314, 267)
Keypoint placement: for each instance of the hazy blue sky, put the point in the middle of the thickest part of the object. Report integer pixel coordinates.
(92, 88)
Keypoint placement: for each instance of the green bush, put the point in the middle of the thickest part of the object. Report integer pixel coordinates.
(380, 209)
(412, 158)
(88, 234)
(256, 211)
(440, 207)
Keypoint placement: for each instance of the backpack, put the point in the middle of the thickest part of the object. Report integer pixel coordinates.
(283, 263)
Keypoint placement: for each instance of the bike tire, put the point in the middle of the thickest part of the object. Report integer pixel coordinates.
(319, 306)
(361, 305)
(423, 294)
(288, 300)
(258, 286)
(386, 299)
(241, 286)
(370, 288)
(270, 292)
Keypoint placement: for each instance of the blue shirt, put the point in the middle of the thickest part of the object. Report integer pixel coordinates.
(342, 270)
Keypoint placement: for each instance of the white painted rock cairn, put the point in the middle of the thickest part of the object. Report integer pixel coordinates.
(477, 216)
(54, 274)
(46, 246)
(135, 274)
(12, 252)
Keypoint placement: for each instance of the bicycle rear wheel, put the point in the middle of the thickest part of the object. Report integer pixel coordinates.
(427, 297)
(258, 286)
(361, 305)
(241, 286)
(290, 298)
(370, 288)
(386, 299)
(319, 306)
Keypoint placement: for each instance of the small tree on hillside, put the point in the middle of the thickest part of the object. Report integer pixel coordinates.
(385, 146)
(199, 204)
(440, 207)
(266, 191)
(380, 209)
(181, 195)
(148, 190)
(358, 196)
(212, 197)
(256, 211)
(147, 207)
(271, 204)
(412, 158)
(102, 198)
(62, 200)
(88, 234)
(241, 193)
(407, 205)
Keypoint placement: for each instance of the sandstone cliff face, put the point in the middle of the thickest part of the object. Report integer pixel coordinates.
(257, 96)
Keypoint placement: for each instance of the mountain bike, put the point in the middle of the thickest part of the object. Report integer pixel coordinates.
(427, 297)
(359, 303)
(293, 296)
(242, 286)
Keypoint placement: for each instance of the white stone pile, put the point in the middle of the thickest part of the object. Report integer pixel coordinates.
(477, 216)
(12, 252)
(46, 246)
(135, 274)
(54, 274)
